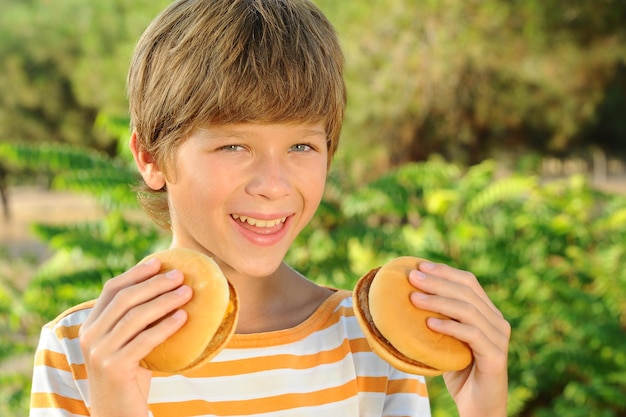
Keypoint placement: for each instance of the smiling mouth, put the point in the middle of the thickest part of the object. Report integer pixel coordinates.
(258, 222)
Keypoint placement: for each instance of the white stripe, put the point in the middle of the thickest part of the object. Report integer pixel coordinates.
(51, 412)
(413, 405)
(46, 379)
(255, 385)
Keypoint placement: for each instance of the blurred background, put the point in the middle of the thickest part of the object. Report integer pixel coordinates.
(489, 134)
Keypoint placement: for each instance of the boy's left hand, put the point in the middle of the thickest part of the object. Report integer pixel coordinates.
(482, 388)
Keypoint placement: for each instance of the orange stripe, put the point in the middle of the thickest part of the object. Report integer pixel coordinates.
(390, 387)
(337, 315)
(59, 361)
(267, 363)
(403, 386)
(258, 405)
(67, 332)
(49, 400)
(249, 365)
(359, 345)
(326, 316)
(345, 312)
(372, 383)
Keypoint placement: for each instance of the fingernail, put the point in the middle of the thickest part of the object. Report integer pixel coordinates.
(420, 295)
(433, 321)
(182, 290)
(150, 261)
(428, 266)
(178, 315)
(173, 274)
(420, 275)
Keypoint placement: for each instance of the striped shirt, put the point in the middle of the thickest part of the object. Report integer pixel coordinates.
(321, 367)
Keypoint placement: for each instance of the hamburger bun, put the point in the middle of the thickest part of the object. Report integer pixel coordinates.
(396, 330)
(211, 313)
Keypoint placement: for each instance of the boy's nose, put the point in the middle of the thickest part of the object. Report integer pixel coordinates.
(270, 178)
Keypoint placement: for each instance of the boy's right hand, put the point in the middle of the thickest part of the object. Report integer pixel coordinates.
(120, 331)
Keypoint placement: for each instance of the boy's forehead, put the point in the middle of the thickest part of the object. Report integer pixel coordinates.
(250, 129)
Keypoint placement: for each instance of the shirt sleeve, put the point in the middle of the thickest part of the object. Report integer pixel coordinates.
(59, 385)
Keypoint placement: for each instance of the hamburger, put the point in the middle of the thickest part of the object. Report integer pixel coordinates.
(211, 313)
(396, 330)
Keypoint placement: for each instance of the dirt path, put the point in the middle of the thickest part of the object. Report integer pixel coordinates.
(29, 205)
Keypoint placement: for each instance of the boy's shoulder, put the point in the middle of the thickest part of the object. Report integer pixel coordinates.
(73, 316)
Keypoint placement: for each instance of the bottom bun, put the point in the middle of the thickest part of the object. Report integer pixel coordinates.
(396, 330)
(211, 313)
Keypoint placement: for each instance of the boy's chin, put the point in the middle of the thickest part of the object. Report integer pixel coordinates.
(248, 267)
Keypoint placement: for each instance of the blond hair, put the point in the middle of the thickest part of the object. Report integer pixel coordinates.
(231, 61)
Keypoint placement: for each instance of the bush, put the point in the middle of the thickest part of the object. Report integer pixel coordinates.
(550, 255)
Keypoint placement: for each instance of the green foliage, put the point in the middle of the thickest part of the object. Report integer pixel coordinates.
(65, 62)
(76, 169)
(84, 256)
(550, 255)
(18, 336)
(458, 78)
(469, 79)
(13, 402)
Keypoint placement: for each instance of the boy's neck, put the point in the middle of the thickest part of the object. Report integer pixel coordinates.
(277, 302)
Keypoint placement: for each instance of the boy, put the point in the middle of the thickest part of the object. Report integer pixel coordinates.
(236, 108)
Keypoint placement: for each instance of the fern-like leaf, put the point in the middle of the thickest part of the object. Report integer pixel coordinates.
(505, 189)
(53, 156)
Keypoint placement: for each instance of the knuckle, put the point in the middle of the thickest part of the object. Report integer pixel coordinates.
(131, 316)
(84, 339)
(113, 286)
(470, 279)
(93, 355)
(122, 297)
(507, 329)
(110, 285)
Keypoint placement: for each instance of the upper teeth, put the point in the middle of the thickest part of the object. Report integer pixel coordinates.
(259, 223)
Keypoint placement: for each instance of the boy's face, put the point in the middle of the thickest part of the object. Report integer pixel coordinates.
(243, 192)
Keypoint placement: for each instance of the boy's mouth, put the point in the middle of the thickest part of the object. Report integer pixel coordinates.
(251, 221)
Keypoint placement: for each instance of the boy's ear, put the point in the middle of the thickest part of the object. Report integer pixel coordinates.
(148, 168)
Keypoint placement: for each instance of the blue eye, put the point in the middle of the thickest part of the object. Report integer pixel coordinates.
(232, 148)
(301, 147)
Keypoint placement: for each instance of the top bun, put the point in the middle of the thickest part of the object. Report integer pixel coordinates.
(211, 313)
(396, 330)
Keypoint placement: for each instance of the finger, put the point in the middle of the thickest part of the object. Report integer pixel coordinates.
(462, 277)
(148, 314)
(143, 343)
(458, 300)
(101, 350)
(136, 274)
(490, 352)
(467, 313)
(451, 282)
(141, 302)
(107, 358)
(101, 322)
